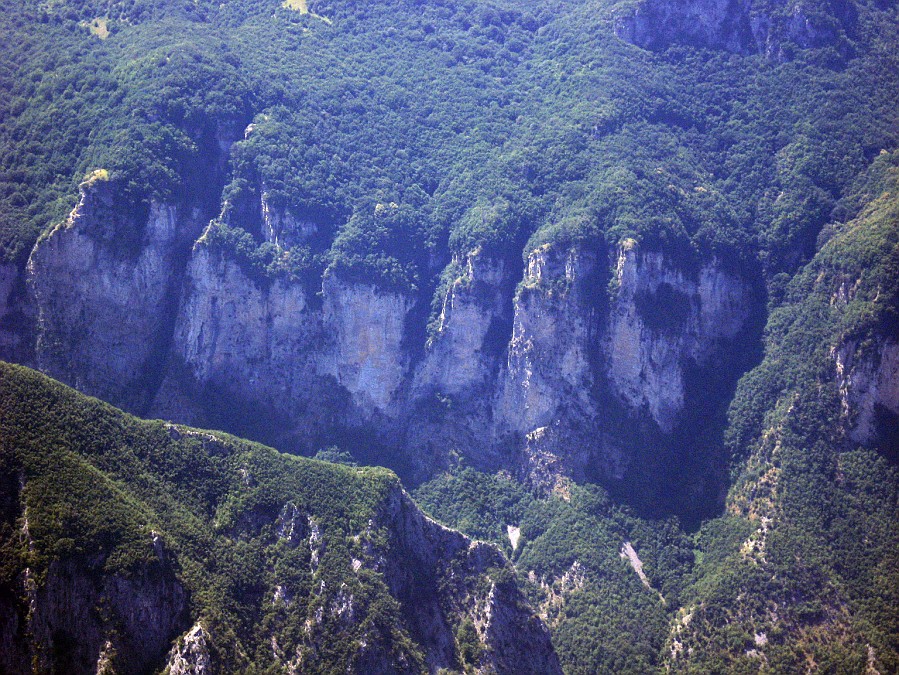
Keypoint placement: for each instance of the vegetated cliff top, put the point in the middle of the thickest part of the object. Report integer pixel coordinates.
(802, 566)
(483, 121)
(280, 560)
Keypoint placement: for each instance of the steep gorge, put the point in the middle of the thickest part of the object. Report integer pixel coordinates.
(592, 277)
(602, 339)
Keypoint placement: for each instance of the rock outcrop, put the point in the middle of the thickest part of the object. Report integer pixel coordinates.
(77, 620)
(281, 227)
(367, 325)
(664, 318)
(869, 388)
(431, 568)
(740, 26)
(463, 353)
(554, 332)
(246, 340)
(138, 304)
(190, 656)
(548, 388)
(578, 347)
(535, 374)
(275, 349)
(104, 288)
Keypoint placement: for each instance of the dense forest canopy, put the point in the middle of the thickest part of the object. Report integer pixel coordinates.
(486, 124)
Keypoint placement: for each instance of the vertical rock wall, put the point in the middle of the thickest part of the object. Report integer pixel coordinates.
(662, 319)
(530, 375)
(104, 305)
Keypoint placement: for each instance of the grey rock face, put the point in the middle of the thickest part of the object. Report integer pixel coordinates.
(191, 655)
(547, 392)
(270, 345)
(575, 343)
(282, 228)
(244, 337)
(554, 331)
(869, 386)
(524, 378)
(367, 325)
(434, 572)
(661, 319)
(62, 631)
(739, 26)
(103, 312)
(459, 360)
(104, 306)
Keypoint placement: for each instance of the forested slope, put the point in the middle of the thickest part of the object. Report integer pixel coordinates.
(132, 546)
(800, 571)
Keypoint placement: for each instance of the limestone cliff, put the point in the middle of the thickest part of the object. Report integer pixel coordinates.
(270, 346)
(591, 338)
(240, 339)
(281, 227)
(548, 387)
(869, 388)
(575, 347)
(104, 287)
(741, 26)
(367, 325)
(664, 318)
(429, 568)
(462, 354)
(451, 399)
(555, 328)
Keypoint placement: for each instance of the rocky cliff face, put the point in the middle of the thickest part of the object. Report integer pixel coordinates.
(548, 387)
(535, 372)
(279, 351)
(463, 353)
(367, 326)
(664, 318)
(869, 388)
(578, 348)
(190, 656)
(241, 339)
(282, 228)
(554, 332)
(740, 26)
(430, 568)
(76, 620)
(104, 289)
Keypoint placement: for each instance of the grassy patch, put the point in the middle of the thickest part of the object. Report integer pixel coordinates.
(302, 7)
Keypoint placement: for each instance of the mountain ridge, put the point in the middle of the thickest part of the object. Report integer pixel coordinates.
(105, 511)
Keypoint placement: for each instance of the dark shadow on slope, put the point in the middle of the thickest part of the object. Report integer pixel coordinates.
(687, 473)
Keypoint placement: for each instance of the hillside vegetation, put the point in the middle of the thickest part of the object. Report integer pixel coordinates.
(801, 569)
(486, 123)
(117, 535)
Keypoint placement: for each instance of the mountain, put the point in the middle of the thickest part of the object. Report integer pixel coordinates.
(799, 571)
(611, 285)
(132, 545)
